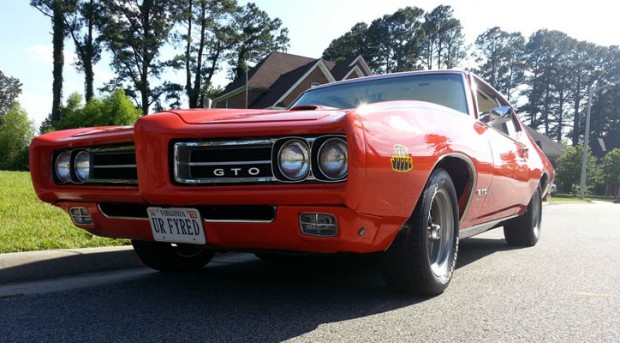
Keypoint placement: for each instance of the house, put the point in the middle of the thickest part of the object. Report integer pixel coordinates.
(280, 78)
(552, 149)
(602, 145)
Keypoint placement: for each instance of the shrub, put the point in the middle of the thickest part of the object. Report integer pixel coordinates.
(115, 109)
(16, 132)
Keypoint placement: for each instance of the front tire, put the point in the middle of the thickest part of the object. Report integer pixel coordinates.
(524, 231)
(167, 257)
(422, 258)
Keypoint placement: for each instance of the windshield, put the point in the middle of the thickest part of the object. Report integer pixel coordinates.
(442, 89)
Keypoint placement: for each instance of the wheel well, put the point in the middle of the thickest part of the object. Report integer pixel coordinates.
(461, 174)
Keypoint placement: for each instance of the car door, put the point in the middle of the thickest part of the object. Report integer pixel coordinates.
(504, 195)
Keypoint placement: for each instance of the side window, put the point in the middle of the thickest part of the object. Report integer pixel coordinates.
(487, 101)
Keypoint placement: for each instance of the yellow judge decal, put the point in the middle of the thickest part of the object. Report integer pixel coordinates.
(402, 162)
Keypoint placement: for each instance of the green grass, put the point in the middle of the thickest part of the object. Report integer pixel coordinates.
(26, 223)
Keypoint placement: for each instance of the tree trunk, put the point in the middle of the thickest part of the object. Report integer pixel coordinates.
(89, 74)
(575, 141)
(188, 73)
(58, 39)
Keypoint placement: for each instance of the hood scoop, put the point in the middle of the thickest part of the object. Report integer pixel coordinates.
(245, 116)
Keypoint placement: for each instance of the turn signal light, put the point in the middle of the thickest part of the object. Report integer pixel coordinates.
(81, 216)
(318, 224)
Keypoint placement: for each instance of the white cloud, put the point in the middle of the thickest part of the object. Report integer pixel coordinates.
(41, 53)
(44, 53)
(38, 106)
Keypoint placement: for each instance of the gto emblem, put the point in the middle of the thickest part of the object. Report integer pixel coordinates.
(235, 171)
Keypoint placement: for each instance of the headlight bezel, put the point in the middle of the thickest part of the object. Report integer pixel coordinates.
(305, 168)
(316, 146)
(77, 166)
(68, 166)
(321, 173)
(63, 176)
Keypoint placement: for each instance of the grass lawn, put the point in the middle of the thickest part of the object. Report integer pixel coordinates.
(26, 223)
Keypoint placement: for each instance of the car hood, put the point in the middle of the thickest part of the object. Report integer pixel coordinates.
(245, 116)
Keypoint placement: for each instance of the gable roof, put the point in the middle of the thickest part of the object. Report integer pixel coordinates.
(285, 83)
(342, 69)
(551, 148)
(269, 70)
(603, 145)
(279, 73)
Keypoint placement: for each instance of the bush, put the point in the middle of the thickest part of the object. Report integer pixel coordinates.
(568, 171)
(610, 170)
(115, 109)
(16, 132)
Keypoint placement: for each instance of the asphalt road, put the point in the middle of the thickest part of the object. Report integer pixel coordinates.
(566, 289)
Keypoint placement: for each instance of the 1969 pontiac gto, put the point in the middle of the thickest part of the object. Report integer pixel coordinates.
(403, 165)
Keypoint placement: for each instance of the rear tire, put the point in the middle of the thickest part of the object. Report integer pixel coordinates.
(524, 231)
(422, 258)
(167, 257)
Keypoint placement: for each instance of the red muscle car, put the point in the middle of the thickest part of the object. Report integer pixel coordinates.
(403, 164)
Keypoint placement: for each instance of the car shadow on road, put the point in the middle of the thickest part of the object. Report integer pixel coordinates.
(239, 298)
(476, 248)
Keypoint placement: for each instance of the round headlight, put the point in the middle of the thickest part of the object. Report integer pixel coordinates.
(63, 166)
(294, 160)
(332, 159)
(82, 166)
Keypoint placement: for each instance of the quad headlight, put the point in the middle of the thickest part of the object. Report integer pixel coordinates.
(73, 166)
(63, 166)
(332, 159)
(322, 158)
(82, 166)
(294, 159)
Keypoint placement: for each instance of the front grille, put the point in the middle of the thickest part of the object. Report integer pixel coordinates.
(223, 162)
(114, 165)
(244, 161)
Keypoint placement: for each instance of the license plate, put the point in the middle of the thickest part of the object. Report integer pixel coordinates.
(176, 225)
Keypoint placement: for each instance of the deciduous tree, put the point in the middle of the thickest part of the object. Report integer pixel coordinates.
(10, 89)
(81, 27)
(610, 170)
(256, 35)
(16, 132)
(444, 44)
(568, 170)
(208, 36)
(134, 31)
(56, 10)
(352, 43)
(115, 109)
(501, 59)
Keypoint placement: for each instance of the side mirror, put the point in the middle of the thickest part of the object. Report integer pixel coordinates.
(497, 116)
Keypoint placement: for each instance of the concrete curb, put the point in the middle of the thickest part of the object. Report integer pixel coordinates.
(49, 264)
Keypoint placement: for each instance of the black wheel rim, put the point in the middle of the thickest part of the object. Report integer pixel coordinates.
(536, 209)
(440, 229)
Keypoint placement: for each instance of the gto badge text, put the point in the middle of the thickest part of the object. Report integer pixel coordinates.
(222, 172)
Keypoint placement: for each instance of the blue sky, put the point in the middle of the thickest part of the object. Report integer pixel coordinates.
(25, 37)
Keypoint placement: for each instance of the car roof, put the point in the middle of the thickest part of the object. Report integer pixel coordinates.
(389, 76)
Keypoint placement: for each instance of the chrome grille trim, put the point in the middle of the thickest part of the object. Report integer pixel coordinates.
(107, 169)
(184, 155)
(238, 161)
(209, 164)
